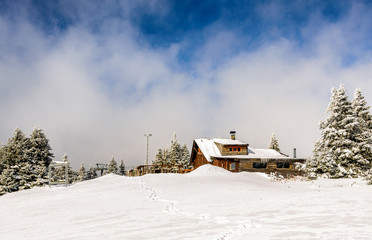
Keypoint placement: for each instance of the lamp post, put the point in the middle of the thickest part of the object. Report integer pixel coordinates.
(147, 148)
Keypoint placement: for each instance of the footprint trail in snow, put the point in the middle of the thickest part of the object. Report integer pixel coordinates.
(172, 209)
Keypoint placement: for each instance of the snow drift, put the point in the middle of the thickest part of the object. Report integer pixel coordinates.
(207, 204)
(209, 170)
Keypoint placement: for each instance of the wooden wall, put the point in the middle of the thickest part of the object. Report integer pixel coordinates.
(199, 160)
(226, 164)
(271, 166)
(225, 149)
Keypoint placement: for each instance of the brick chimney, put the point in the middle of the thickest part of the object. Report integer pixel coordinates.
(232, 133)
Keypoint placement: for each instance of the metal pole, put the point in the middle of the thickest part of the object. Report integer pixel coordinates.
(147, 148)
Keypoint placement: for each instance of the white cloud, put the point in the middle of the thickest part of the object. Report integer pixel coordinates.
(97, 95)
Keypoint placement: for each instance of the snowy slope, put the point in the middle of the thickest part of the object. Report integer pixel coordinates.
(209, 203)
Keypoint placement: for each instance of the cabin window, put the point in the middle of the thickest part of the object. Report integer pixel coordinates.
(259, 165)
(282, 165)
(238, 149)
(232, 166)
(230, 149)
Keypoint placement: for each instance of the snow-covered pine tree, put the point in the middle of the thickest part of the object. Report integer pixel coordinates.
(363, 134)
(14, 151)
(91, 174)
(15, 159)
(175, 151)
(185, 157)
(174, 154)
(158, 158)
(334, 153)
(8, 182)
(2, 165)
(112, 167)
(274, 144)
(40, 154)
(368, 177)
(122, 168)
(82, 174)
(60, 172)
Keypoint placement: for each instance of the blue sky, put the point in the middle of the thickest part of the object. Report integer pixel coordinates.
(97, 75)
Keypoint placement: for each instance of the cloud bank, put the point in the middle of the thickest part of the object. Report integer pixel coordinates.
(100, 78)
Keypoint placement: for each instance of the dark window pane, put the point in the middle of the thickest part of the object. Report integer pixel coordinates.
(282, 165)
(259, 165)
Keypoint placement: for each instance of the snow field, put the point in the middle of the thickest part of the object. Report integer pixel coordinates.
(208, 203)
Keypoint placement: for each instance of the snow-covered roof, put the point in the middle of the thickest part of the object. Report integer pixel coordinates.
(210, 150)
(228, 141)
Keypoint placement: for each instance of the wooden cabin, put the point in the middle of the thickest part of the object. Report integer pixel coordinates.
(237, 156)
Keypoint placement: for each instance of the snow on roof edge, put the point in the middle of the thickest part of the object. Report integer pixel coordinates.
(209, 149)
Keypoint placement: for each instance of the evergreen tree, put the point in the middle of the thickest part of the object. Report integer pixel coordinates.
(16, 162)
(14, 151)
(23, 157)
(8, 182)
(185, 157)
(92, 174)
(158, 158)
(112, 167)
(60, 172)
(175, 151)
(122, 168)
(274, 143)
(173, 155)
(363, 133)
(336, 153)
(82, 174)
(2, 165)
(40, 154)
(368, 177)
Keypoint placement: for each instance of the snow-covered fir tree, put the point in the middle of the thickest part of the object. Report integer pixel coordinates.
(16, 162)
(60, 172)
(363, 133)
(82, 174)
(274, 144)
(14, 151)
(2, 165)
(8, 182)
(26, 159)
(185, 157)
(336, 153)
(173, 155)
(369, 177)
(162, 157)
(40, 155)
(112, 167)
(174, 151)
(91, 174)
(122, 168)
